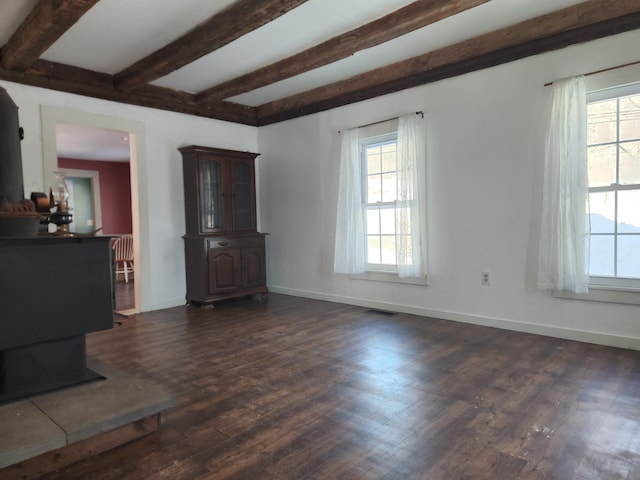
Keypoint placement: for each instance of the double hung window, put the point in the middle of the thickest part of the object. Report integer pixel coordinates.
(592, 192)
(381, 219)
(613, 152)
(380, 192)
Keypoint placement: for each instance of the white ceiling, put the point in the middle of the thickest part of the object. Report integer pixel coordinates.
(12, 15)
(85, 142)
(114, 34)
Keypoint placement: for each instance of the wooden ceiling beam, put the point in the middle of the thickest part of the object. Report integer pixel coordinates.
(407, 19)
(221, 29)
(577, 24)
(79, 81)
(48, 20)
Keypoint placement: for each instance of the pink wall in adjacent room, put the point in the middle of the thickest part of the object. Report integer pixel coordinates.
(115, 192)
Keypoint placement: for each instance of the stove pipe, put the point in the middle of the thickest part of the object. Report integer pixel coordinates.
(11, 181)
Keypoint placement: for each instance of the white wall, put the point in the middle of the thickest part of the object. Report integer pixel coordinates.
(160, 170)
(486, 143)
(486, 136)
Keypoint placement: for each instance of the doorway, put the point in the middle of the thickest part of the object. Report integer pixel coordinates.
(99, 158)
(81, 204)
(84, 200)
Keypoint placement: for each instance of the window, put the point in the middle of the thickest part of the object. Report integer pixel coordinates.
(613, 153)
(381, 215)
(380, 192)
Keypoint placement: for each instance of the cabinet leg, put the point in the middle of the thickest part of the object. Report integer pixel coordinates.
(204, 306)
(261, 297)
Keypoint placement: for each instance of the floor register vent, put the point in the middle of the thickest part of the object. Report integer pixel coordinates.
(386, 313)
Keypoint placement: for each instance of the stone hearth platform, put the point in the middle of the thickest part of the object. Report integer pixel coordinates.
(58, 420)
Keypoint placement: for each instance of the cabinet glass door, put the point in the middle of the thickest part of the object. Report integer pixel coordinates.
(243, 196)
(211, 195)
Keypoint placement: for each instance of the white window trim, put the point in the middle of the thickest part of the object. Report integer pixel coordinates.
(370, 134)
(390, 277)
(382, 272)
(374, 268)
(610, 289)
(601, 293)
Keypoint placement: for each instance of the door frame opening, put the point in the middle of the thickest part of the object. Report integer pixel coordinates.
(50, 117)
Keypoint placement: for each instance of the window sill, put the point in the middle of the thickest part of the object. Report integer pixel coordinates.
(602, 293)
(389, 277)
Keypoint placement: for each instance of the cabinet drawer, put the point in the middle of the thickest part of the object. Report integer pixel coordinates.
(221, 243)
(235, 242)
(252, 241)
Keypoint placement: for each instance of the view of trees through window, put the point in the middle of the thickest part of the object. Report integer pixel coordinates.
(381, 200)
(614, 186)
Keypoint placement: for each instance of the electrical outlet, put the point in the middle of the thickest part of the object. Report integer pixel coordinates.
(486, 277)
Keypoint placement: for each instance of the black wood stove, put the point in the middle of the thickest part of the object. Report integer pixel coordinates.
(53, 291)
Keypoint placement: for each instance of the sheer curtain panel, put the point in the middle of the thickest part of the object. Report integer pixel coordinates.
(350, 239)
(411, 224)
(564, 236)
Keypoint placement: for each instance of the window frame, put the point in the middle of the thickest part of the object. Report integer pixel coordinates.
(380, 272)
(610, 289)
(614, 282)
(366, 134)
(365, 143)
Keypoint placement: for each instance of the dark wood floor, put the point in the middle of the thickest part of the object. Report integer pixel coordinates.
(125, 295)
(290, 388)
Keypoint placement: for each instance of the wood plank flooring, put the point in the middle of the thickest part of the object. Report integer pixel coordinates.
(291, 388)
(125, 295)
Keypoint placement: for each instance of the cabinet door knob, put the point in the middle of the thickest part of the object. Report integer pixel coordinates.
(223, 244)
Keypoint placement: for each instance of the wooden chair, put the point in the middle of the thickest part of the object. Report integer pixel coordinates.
(123, 256)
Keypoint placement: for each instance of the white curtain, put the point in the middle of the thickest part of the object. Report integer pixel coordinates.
(411, 224)
(350, 240)
(564, 237)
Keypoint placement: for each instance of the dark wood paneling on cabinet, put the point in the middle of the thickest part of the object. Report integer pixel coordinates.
(224, 253)
(253, 262)
(224, 270)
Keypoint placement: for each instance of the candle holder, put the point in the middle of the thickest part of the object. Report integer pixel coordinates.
(60, 214)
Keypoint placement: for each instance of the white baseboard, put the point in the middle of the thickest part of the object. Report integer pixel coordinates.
(632, 343)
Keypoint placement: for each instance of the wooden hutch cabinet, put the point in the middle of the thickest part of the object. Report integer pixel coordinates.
(224, 253)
